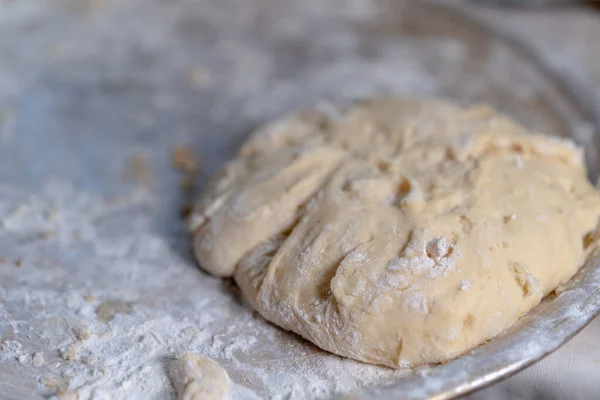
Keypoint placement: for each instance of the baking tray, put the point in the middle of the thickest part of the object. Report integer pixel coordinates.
(96, 272)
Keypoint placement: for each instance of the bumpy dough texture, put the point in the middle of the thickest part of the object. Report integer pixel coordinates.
(199, 378)
(397, 232)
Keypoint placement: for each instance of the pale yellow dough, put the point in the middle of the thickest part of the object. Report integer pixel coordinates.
(199, 378)
(397, 232)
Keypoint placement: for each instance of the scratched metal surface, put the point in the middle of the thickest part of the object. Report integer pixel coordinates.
(84, 85)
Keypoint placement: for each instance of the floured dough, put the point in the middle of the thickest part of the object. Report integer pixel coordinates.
(398, 232)
(199, 378)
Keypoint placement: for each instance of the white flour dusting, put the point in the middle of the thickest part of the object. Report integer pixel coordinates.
(132, 305)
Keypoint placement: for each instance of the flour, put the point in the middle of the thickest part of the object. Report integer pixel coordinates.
(38, 359)
(434, 258)
(10, 349)
(106, 339)
(464, 284)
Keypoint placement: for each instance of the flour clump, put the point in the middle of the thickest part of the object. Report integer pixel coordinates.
(199, 378)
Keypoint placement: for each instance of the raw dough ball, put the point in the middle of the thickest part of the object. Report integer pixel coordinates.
(199, 378)
(398, 232)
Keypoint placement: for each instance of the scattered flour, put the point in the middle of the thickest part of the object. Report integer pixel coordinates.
(125, 312)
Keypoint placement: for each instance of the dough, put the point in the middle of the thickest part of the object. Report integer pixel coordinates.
(397, 232)
(199, 378)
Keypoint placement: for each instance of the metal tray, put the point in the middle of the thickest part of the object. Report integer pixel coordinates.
(95, 94)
